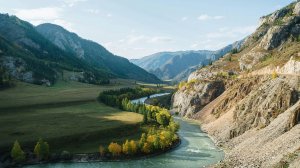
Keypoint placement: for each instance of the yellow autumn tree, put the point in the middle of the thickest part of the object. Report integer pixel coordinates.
(133, 147)
(146, 148)
(101, 150)
(142, 140)
(115, 149)
(126, 148)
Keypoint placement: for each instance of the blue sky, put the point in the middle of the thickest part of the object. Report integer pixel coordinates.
(136, 28)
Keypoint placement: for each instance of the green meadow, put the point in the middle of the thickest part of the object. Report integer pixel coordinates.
(66, 115)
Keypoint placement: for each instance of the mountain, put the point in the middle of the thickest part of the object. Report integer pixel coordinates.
(93, 53)
(26, 55)
(175, 65)
(249, 100)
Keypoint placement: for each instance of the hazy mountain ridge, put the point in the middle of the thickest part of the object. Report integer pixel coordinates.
(249, 101)
(172, 65)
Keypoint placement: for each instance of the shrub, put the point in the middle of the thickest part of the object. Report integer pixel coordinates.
(181, 84)
(17, 153)
(274, 75)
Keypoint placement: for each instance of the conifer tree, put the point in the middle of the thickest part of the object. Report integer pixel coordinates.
(17, 153)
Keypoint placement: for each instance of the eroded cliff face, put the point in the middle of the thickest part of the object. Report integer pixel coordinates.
(255, 117)
(195, 95)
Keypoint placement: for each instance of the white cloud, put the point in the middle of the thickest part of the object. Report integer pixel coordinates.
(44, 15)
(109, 15)
(205, 17)
(71, 3)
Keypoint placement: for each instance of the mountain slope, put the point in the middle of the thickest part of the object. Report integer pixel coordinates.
(27, 53)
(93, 53)
(172, 65)
(249, 101)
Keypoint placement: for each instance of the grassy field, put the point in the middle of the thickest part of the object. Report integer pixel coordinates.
(25, 94)
(66, 115)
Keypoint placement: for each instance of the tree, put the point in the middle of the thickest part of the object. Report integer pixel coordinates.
(101, 150)
(115, 149)
(133, 147)
(17, 153)
(173, 126)
(163, 117)
(156, 142)
(126, 148)
(146, 148)
(145, 118)
(41, 150)
(142, 140)
(234, 51)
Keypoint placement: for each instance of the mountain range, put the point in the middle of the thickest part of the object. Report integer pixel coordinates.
(176, 66)
(43, 53)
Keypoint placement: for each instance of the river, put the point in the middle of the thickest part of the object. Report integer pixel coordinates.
(196, 150)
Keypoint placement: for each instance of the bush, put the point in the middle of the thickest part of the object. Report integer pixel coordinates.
(17, 153)
(274, 75)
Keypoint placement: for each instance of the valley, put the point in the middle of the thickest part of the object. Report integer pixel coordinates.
(209, 89)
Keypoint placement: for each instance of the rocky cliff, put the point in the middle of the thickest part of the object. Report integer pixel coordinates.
(249, 101)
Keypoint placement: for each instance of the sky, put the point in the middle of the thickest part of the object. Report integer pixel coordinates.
(137, 28)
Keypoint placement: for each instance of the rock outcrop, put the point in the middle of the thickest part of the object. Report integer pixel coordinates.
(195, 95)
(296, 10)
(256, 117)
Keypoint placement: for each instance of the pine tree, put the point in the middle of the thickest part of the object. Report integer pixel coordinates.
(17, 153)
(145, 118)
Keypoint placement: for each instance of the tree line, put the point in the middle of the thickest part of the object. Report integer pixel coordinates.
(114, 97)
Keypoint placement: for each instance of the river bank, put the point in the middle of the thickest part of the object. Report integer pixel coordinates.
(96, 157)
